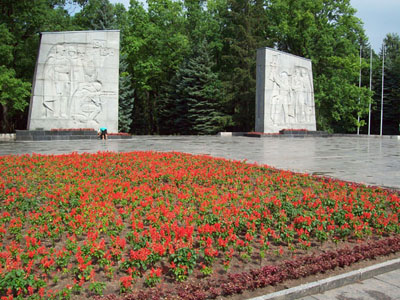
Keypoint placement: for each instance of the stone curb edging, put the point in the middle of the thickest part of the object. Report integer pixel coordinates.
(330, 283)
(7, 136)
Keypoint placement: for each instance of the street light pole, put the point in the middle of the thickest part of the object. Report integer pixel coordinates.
(359, 86)
(370, 89)
(383, 82)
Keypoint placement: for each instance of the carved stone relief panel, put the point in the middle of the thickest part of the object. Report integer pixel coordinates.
(284, 92)
(76, 81)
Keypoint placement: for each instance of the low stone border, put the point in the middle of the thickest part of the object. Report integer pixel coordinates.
(330, 283)
(7, 136)
(309, 134)
(373, 136)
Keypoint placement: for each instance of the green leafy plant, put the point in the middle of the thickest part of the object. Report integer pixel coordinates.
(184, 260)
(97, 287)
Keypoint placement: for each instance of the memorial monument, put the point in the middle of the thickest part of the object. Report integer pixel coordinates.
(76, 81)
(284, 92)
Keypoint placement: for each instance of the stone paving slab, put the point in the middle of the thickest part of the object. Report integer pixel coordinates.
(370, 289)
(343, 286)
(371, 161)
(391, 278)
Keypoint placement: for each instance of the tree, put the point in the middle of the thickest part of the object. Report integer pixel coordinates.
(391, 99)
(327, 32)
(126, 99)
(156, 45)
(192, 103)
(13, 91)
(21, 22)
(242, 34)
(204, 92)
(97, 15)
(392, 84)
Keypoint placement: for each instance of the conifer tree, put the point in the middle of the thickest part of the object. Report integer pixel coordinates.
(243, 32)
(126, 99)
(196, 94)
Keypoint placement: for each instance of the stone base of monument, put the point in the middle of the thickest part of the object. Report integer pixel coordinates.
(290, 133)
(57, 135)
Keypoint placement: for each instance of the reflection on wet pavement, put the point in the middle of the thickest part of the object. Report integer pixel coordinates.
(372, 161)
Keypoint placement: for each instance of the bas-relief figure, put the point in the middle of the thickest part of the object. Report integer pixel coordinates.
(74, 94)
(71, 87)
(284, 92)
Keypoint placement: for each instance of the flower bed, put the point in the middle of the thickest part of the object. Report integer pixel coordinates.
(289, 130)
(73, 129)
(120, 134)
(111, 223)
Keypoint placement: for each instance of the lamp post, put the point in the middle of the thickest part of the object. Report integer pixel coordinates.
(370, 89)
(383, 82)
(359, 86)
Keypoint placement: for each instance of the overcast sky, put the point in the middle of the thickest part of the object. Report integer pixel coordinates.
(380, 17)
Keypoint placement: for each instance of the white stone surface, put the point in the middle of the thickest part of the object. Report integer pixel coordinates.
(285, 92)
(76, 81)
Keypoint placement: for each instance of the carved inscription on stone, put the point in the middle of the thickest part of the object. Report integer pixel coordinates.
(285, 98)
(76, 82)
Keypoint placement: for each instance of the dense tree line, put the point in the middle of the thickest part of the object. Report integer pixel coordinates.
(188, 66)
(391, 91)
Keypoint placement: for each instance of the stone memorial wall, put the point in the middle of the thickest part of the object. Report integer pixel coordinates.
(76, 81)
(285, 93)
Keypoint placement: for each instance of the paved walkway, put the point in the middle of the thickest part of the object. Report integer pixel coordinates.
(382, 287)
(373, 161)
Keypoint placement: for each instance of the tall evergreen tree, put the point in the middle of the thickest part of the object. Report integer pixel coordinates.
(242, 34)
(126, 99)
(156, 45)
(195, 92)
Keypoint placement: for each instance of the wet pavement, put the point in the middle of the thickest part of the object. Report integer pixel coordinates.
(373, 161)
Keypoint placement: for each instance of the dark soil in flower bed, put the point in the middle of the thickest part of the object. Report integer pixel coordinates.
(149, 225)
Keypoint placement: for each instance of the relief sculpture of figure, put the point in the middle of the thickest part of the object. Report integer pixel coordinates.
(298, 95)
(75, 84)
(71, 88)
(275, 101)
(307, 89)
(284, 92)
(87, 102)
(57, 83)
(301, 87)
(280, 98)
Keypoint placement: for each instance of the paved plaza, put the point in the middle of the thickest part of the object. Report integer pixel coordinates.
(373, 161)
(381, 287)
